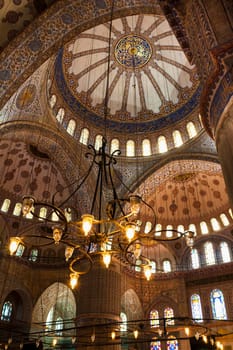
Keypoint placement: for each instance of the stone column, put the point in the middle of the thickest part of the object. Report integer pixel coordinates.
(224, 144)
(99, 306)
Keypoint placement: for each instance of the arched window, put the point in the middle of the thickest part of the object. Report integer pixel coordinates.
(68, 214)
(177, 138)
(167, 265)
(153, 266)
(162, 144)
(130, 148)
(230, 212)
(20, 250)
(6, 311)
(158, 229)
(123, 325)
(60, 115)
(155, 345)
(146, 148)
(209, 253)
(33, 254)
(17, 209)
(98, 142)
(192, 132)
(180, 228)
(169, 315)
(196, 308)
(84, 136)
(71, 127)
(42, 213)
(225, 252)
(138, 265)
(53, 100)
(148, 227)
(115, 145)
(192, 228)
(6, 205)
(169, 232)
(58, 326)
(54, 216)
(195, 259)
(172, 343)
(204, 227)
(224, 219)
(154, 318)
(218, 305)
(215, 224)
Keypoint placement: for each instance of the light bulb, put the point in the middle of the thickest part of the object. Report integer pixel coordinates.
(9, 340)
(57, 234)
(204, 338)
(74, 279)
(21, 346)
(187, 331)
(69, 252)
(113, 335)
(106, 259)
(14, 242)
(93, 337)
(87, 221)
(54, 341)
(135, 333)
(130, 231)
(73, 340)
(27, 205)
(147, 272)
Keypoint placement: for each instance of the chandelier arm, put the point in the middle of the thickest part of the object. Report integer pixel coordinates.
(24, 239)
(79, 259)
(57, 210)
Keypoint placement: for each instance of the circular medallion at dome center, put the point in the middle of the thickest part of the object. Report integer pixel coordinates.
(133, 51)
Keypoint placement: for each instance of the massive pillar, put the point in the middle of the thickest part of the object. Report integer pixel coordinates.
(99, 307)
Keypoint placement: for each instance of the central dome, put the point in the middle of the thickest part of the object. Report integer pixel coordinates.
(151, 84)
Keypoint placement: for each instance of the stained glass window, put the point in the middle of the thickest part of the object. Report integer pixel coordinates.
(42, 214)
(195, 259)
(191, 130)
(169, 314)
(224, 219)
(155, 345)
(6, 205)
(130, 148)
(84, 136)
(225, 252)
(177, 138)
(71, 127)
(209, 253)
(20, 250)
(154, 318)
(123, 326)
(196, 308)
(115, 145)
(215, 224)
(172, 344)
(146, 147)
(162, 144)
(58, 326)
(204, 227)
(33, 255)
(60, 115)
(17, 209)
(6, 311)
(167, 266)
(218, 305)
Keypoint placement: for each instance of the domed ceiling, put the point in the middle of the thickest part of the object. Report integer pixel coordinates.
(186, 192)
(151, 83)
(25, 170)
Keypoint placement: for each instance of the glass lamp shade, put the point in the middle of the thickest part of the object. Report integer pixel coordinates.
(87, 221)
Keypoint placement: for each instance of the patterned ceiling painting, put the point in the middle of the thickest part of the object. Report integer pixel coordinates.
(186, 191)
(151, 83)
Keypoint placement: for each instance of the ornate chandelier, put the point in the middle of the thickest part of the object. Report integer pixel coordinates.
(115, 229)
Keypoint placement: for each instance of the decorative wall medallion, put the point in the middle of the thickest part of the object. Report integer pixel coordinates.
(26, 96)
(133, 51)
